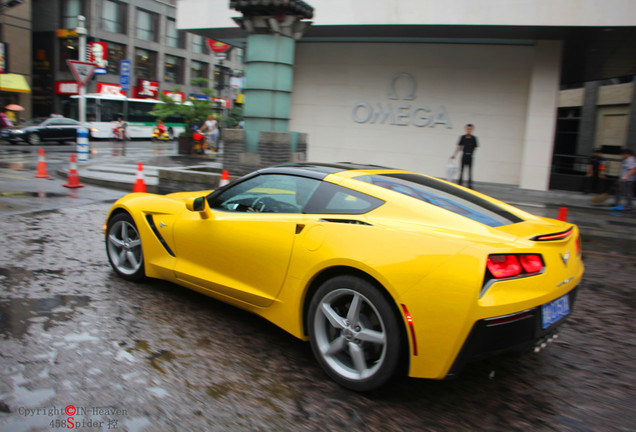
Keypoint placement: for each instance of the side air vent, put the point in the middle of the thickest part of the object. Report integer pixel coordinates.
(151, 222)
(346, 221)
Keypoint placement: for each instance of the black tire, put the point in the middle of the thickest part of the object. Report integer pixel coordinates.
(33, 139)
(123, 247)
(361, 351)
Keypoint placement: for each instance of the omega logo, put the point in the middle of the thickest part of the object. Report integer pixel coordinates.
(402, 87)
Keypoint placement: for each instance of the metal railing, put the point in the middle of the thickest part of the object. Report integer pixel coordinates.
(577, 164)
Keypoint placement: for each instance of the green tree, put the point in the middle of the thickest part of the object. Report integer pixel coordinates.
(193, 111)
(234, 116)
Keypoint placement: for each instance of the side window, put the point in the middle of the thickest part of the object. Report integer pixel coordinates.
(334, 199)
(268, 193)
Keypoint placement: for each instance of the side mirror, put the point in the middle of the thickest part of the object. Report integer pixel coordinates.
(200, 205)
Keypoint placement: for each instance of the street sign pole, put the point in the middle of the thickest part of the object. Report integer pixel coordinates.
(124, 82)
(82, 134)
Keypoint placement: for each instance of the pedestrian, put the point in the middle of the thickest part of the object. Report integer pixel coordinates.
(467, 145)
(211, 129)
(595, 175)
(11, 115)
(626, 180)
(5, 121)
(120, 129)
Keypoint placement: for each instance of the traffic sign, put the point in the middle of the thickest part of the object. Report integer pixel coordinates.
(82, 71)
(124, 76)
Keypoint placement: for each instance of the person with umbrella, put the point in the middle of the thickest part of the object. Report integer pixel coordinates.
(10, 112)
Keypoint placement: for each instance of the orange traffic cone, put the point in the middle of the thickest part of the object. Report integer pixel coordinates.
(41, 168)
(225, 178)
(563, 214)
(140, 185)
(73, 176)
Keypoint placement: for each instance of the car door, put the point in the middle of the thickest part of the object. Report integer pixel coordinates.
(51, 130)
(243, 250)
(68, 130)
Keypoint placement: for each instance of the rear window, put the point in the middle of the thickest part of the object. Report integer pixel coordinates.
(443, 195)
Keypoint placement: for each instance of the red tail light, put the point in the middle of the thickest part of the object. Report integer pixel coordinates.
(531, 263)
(506, 266)
(503, 266)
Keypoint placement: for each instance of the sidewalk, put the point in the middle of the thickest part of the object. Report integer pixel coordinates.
(605, 230)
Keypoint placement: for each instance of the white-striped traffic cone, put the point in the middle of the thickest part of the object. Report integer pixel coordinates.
(140, 184)
(225, 178)
(41, 171)
(73, 176)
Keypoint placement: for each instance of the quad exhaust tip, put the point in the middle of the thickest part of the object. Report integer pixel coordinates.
(544, 341)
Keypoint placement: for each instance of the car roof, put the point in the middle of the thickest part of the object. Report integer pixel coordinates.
(318, 170)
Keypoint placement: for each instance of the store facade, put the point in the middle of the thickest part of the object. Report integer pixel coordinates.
(394, 83)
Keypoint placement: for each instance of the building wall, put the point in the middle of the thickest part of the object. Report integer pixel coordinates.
(201, 14)
(610, 113)
(491, 86)
(47, 19)
(15, 30)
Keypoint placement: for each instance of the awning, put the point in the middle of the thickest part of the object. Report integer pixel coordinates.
(16, 83)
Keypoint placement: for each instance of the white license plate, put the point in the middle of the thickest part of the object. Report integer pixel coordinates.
(555, 310)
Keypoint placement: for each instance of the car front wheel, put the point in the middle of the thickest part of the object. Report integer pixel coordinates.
(34, 139)
(123, 246)
(355, 334)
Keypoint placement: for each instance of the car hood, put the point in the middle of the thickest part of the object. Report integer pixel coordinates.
(17, 128)
(182, 196)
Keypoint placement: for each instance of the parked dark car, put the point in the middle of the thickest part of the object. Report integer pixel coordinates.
(36, 131)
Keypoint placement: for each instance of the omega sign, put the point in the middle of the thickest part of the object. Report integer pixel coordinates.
(402, 87)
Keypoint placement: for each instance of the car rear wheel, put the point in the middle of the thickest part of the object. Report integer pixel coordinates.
(123, 246)
(355, 333)
(34, 139)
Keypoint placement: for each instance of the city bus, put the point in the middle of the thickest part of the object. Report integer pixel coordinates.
(102, 112)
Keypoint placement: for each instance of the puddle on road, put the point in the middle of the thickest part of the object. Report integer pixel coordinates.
(17, 315)
(624, 246)
(26, 194)
(156, 358)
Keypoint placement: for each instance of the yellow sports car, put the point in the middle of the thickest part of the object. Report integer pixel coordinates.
(386, 272)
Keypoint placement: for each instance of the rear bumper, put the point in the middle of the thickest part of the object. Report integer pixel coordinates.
(516, 332)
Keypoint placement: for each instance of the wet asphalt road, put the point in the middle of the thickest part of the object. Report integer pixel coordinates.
(81, 347)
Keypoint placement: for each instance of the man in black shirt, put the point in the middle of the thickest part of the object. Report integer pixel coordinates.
(467, 144)
(595, 173)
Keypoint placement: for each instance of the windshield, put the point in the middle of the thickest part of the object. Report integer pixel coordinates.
(444, 195)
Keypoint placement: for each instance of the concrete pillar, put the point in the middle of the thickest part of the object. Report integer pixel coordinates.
(273, 28)
(631, 125)
(541, 113)
(587, 126)
(269, 73)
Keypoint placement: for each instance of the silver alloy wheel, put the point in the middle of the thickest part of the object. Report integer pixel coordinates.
(124, 247)
(33, 139)
(350, 334)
